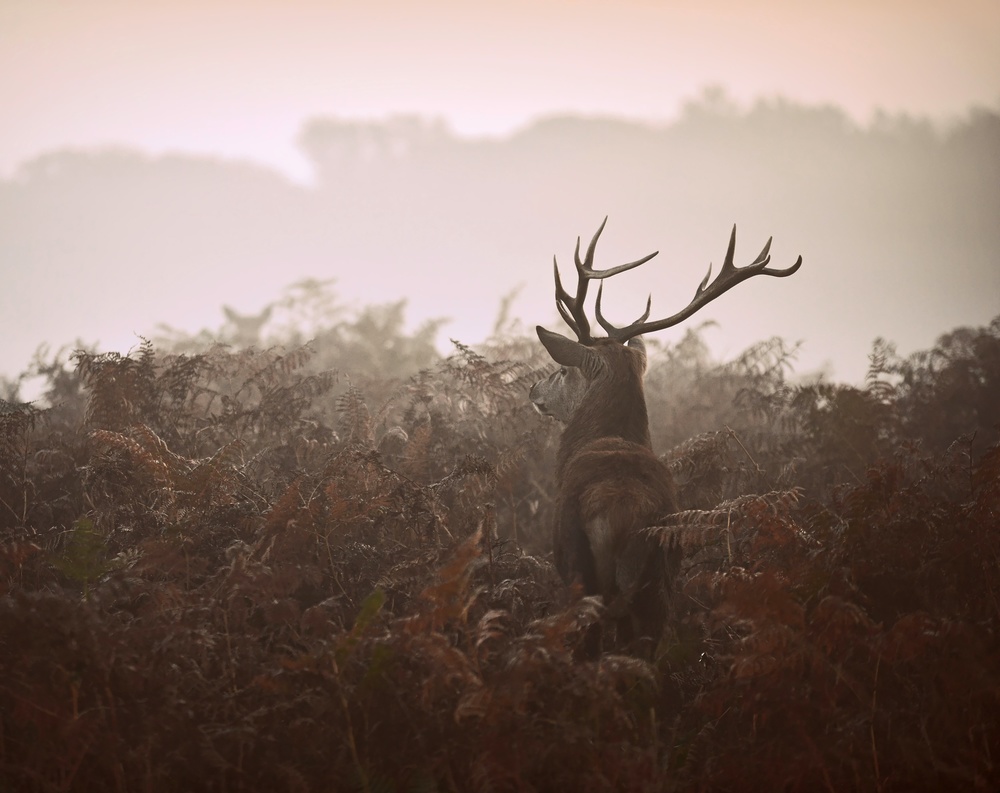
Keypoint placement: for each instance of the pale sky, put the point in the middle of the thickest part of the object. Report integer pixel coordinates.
(237, 77)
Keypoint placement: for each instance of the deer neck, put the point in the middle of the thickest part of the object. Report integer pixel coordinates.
(607, 412)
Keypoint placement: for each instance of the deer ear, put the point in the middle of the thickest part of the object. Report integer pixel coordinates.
(636, 343)
(563, 351)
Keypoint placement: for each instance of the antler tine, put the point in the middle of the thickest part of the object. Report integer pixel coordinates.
(571, 308)
(611, 330)
(729, 276)
(588, 263)
(567, 306)
(586, 268)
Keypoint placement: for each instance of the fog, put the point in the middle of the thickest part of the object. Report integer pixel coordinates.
(897, 220)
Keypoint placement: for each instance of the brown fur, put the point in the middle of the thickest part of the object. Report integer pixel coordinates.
(611, 486)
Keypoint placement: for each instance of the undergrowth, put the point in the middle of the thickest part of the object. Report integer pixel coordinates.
(233, 569)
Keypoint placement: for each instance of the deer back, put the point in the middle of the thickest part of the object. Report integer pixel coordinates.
(610, 489)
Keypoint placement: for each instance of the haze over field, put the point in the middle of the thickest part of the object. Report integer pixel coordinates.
(158, 160)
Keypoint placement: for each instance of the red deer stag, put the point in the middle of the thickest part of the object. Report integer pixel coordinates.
(610, 483)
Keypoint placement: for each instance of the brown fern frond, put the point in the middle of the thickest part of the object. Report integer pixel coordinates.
(511, 458)
(449, 598)
(986, 472)
(688, 538)
(284, 509)
(467, 354)
(835, 621)
(560, 632)
(409, 574)
(139, 455)
(882, 361)
(356, 422)
(215, 480)
(468, 466)
(911, 635)
(492, 628)
(16, 418)
(707, 444)
(418, 448)
(695, 526)
(275, 367)
(155, 445)
(627, 670)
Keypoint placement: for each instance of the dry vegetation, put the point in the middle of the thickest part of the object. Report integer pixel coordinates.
(241, 570)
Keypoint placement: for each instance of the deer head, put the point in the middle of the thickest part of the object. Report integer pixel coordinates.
(610, 484)
(589, 360)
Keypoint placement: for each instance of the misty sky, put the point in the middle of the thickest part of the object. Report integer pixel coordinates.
(237, 79)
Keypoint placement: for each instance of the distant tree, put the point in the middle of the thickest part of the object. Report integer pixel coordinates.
(952, 390)
(337, 146)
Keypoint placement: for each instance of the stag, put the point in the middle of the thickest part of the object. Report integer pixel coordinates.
(611, 486)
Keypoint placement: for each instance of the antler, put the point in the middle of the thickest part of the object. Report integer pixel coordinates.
(729, 276)
(571, 308)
